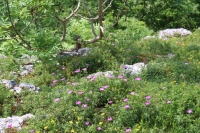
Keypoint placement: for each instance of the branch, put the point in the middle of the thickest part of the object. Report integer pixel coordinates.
(91, 21)
(95, 18)
(101, 30)
(100, 18)
(64, 21)
(15, 29)
(73, 12)
(109, 5)
(27, 25)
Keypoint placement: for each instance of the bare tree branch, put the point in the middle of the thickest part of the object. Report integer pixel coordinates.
(15, 29)
(109, 5)
(64, 21)
(95, 18)
(100, 13)
(91, 20)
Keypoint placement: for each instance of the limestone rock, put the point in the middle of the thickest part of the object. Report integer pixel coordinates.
(13, 122)
(134, 69)
(30, 87)
(10, 84)
(163, 34)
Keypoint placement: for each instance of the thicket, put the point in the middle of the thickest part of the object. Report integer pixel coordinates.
(164, 14)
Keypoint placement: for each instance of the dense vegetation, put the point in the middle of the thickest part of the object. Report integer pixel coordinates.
(163, 98)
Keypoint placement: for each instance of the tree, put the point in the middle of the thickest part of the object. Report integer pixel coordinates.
(36, 25)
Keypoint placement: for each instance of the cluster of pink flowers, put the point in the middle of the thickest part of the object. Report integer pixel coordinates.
(79, 70)
(103, 88)
(147, 98)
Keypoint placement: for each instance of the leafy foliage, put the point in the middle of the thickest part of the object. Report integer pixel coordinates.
(166, 14)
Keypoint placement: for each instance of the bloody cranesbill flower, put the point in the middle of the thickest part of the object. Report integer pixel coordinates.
(126, 100)
(70, 91)
(57, 99)
(99, 128)
(128, 130)
(87, 123)
(147, 103)
(120, 77)
(78, 102)
(110, 119)
(189, 111)
(147, 97)
(138, 79)
(126, 106)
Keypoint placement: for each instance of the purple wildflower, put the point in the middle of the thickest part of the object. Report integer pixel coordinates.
(126, 106)
(78, 102)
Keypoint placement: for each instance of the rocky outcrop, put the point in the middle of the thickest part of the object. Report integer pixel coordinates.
(12, 85)
(134, 69)
(13, 122)
(168, 33)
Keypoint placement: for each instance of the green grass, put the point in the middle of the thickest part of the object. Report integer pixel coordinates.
(172, 84)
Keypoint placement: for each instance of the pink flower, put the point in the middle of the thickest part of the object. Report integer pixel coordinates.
(80, 92)
(78, 102)
(113, 44)
(63, 68)
(57, 99)
(88, 99)
(84, 69)
(132, 93)
(63, 79)
(110, 119)
(126, 106)
(101, 89)
(84, 105)
(99, 128)
(87, 123)
(147, 103)
(105, 87)
(137, 79)
(168, 101)
(54, 81)
(128, 130)
(77, 71)
(32, 131)
(111, 77)
(74, 84)
(124, 67)
(189, 111)
(125, 80)
(110, 102)
(120, 77)
(93, 78)
(126, 100)
(89, 77)
(87, 64)
(9, 125)
(147, 97)
(68, 83)
(70, 91)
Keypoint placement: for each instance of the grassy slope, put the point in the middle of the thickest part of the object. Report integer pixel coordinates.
(172, 84)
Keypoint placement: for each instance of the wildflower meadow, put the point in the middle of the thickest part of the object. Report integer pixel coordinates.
(163, 98)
